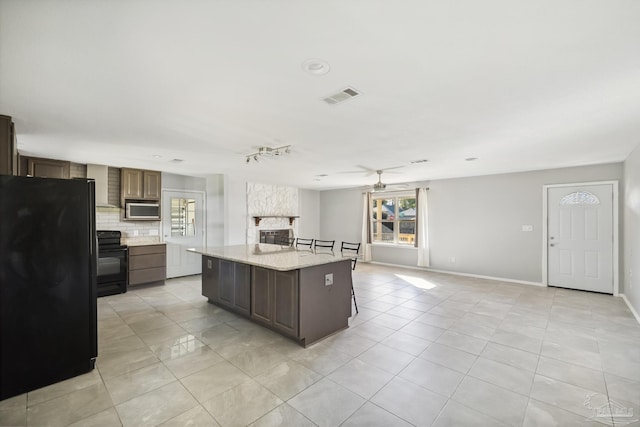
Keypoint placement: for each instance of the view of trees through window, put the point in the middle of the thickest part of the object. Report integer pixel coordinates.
(394, 219)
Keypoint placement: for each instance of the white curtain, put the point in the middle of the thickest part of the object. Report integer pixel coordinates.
(366, 227)
(422, 231)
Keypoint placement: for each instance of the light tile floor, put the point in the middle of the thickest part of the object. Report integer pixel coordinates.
(425, 349)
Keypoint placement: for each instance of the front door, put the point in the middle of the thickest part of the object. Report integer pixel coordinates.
(580, 237)
(183, 227)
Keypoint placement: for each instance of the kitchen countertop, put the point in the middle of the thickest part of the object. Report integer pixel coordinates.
(274, 257)
(141, 241)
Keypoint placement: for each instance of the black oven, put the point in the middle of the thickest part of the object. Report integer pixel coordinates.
(112, 264)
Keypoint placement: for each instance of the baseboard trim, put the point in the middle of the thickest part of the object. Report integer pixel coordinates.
(633, 311)
(478, 276)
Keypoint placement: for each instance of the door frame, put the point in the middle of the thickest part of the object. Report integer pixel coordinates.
(616, 227)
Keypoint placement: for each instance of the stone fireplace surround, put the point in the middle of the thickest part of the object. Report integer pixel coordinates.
(275, 204)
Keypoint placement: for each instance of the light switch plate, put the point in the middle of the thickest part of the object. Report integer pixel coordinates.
(328, 279)
(527, 227)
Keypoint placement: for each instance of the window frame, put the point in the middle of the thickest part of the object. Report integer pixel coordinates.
(395, 196)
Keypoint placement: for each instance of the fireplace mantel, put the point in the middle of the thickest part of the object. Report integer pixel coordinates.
(257, 219)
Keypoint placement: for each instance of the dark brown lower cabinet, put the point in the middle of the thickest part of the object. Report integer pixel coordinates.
(275, 299)
(227, 283)
(147, 263)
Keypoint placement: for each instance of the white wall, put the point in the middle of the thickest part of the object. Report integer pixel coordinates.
(631, 196)
(215, 210)
(235, 211)
(475, 220)
(172, 181)
(309, 211)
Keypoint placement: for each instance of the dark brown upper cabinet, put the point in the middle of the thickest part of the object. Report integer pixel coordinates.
(47, 168)
(8, 147)
(139, 184)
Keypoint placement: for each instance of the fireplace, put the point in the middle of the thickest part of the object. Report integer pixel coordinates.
(275, 236)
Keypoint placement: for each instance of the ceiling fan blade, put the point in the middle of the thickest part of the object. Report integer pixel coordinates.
(394, 167)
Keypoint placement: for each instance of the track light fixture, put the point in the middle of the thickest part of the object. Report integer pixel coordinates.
(269, 152)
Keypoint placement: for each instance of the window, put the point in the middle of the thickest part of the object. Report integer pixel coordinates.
(394, 219)
(580, 198)
(183, 217)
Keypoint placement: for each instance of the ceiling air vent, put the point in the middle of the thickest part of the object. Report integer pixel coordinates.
(342, 96)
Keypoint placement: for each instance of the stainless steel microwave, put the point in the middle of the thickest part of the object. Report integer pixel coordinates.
(141, 210)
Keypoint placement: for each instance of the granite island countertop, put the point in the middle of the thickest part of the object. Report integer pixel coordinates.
(274, 257)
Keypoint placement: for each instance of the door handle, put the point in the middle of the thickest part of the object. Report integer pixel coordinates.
(552, 244)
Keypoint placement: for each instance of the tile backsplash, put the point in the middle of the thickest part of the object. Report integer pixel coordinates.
(111, 219)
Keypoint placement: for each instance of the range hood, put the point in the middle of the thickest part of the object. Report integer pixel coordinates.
(100, 174)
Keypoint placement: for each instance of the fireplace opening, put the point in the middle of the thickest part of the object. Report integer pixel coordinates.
(276, 237)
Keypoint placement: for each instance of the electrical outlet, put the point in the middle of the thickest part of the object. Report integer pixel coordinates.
(135, 232)
(328, 279)
(153, 232)
(527, 228)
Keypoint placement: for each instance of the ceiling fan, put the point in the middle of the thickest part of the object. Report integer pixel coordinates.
(378, 186)
(381, 186)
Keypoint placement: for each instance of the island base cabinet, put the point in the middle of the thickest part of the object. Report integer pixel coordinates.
(305, 304)
(227, 284)
(324, 309)
(275, 299)
(286, 306)
(262, 291)
(210, 272)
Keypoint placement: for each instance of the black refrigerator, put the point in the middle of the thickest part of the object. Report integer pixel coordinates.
(48, 255)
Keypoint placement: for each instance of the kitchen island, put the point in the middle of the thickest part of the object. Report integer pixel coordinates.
(302, 294)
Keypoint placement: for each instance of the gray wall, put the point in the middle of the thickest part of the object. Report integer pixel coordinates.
(477, 221)
(631, 196)
(341, 215)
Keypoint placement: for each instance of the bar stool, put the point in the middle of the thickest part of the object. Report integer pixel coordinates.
(328, 244)
(304, 243)
(353, 249)
(287, 241)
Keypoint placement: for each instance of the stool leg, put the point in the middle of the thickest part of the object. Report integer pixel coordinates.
(353, 294)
